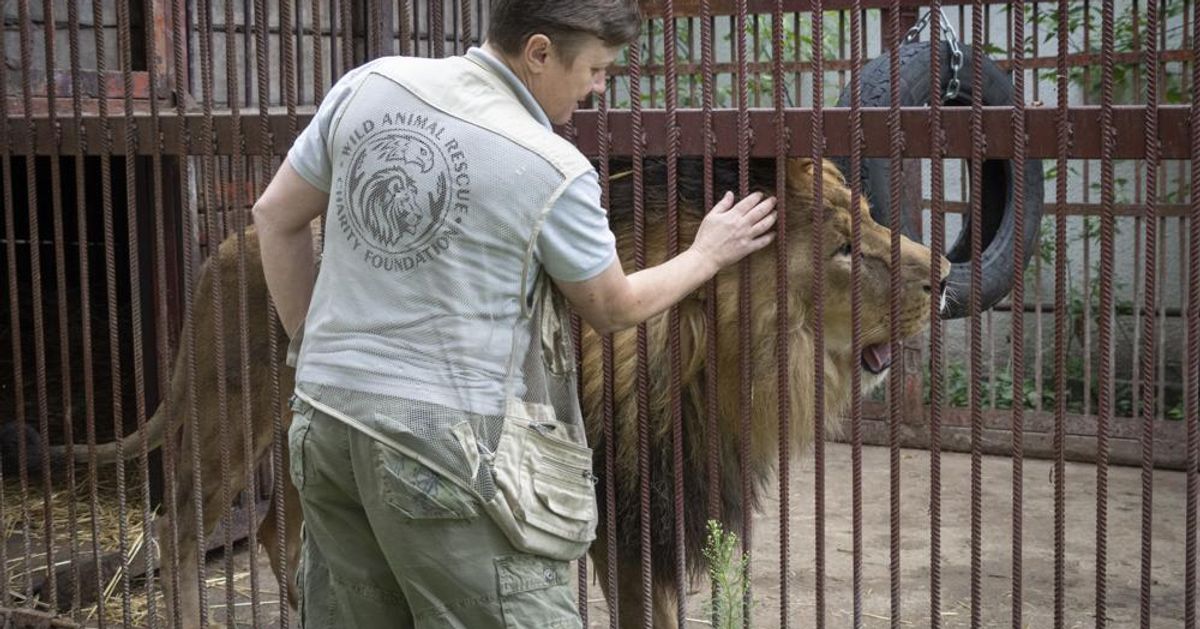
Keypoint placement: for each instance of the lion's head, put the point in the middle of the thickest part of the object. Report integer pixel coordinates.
(915, 288)
(916, 292)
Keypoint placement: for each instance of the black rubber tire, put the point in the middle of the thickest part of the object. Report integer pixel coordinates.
(998, 209)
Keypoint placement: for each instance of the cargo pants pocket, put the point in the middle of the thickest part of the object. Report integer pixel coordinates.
(297, 439)
(418, 492)
(536, 592)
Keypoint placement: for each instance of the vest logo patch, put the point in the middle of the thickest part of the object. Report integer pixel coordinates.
(402, 197)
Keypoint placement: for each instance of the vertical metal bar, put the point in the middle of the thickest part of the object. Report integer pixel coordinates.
(744, 307)
(416, 22)
(782, 319)
(937, 245)
(14, 312)
(643, 375)
(264, 163)
(39, 342)
(150, 26)
(465, 15)
(817, 253)
(1150, 298)
(671, 88)
(1060, 313)
(188, 342)
(238, 204)
(1017, 300)
(610, 443)
(318, 39)
(976, 209)
(405, 27)
(347, 35)
(711, 410)
(85, 311)
(856, 409)
(437, 28)
(895, 222)
(60, 264)
(125, 50)
(212, 238)
(1192, 414)
(170, 490)
(375, 19)
(1107, 234)
(111, 289)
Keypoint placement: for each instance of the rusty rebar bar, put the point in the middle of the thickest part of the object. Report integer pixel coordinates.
(782, 319)
(974, 308)
(856, 304)
(817, 253)
(1149, 296)
(1018, 317)
(1107, 234)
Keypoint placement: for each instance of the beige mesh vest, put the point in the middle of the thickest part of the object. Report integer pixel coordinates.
(432, 327)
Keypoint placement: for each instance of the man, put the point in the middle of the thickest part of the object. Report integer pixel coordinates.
(454, 214)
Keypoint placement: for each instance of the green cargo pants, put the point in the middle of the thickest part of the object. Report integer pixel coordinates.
(389, 543)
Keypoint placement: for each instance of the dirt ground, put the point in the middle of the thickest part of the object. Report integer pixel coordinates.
(1124, 552)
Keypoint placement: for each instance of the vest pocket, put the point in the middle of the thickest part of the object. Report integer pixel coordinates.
(545, 500)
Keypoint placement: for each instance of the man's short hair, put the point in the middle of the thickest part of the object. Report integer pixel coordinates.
(565, 22)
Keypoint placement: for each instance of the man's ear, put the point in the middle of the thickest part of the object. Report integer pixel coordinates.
(536, 53)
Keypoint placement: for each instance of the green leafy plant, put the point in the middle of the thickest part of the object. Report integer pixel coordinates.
(729, 569)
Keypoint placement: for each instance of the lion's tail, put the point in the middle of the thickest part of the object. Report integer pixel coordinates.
(106, 453)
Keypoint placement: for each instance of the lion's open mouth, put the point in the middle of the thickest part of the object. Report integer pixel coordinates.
(877, 358)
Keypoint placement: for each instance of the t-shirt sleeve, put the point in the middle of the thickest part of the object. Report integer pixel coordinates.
(309, 155)
(576, 243)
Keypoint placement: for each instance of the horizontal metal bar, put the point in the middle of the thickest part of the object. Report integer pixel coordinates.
(1081, 209)
(843, 65)
(1040, 122)
(691, 8)
(1084, 123)
(1170, 442)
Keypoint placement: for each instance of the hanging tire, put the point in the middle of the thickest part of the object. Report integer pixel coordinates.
(998, 211)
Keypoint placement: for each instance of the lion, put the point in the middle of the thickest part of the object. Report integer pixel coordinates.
(171, 420)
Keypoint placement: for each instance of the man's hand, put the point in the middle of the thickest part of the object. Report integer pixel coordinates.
(730, 232)
(613, 301)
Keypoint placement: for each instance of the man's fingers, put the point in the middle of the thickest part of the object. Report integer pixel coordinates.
(757, 212)
(724, 204)
(764, 224)
(762, 241)
(747, 203)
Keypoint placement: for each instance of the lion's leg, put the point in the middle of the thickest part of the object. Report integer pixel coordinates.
(268, 533)
(629, 589)
(188, 600)
(666, 606)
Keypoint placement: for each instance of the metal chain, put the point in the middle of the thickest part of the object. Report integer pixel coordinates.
(956, 54)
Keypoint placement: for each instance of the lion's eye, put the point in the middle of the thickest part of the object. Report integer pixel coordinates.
(845, 250)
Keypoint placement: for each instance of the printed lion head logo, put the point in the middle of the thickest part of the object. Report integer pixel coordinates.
(398, 184)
